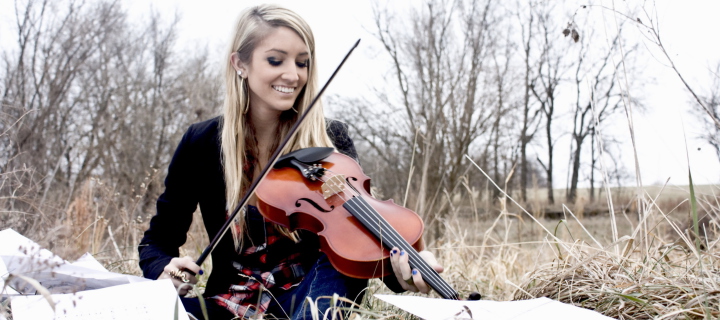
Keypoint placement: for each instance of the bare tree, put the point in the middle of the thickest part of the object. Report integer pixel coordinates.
(87, 95)
(438, 73)
(602, 75)
(502, 129)
(55, 44)
(529, 112)
(550, 69)
(712, 102)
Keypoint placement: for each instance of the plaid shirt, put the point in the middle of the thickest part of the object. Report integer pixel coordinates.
(270, 264)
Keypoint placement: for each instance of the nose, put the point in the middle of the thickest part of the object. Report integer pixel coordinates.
(291, 74)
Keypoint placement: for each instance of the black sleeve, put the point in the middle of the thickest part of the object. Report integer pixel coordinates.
(339, 134)
(168, 228)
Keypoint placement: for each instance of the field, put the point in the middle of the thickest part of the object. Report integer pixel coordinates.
(635, 264)
(649, 269)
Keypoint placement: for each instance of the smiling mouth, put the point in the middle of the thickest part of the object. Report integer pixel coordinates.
(284, 89)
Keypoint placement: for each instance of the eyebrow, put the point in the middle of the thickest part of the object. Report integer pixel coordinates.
(285, 52)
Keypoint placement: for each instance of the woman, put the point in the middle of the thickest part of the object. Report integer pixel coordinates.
(271, 77)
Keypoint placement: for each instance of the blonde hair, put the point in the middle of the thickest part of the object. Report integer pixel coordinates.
(237, 139)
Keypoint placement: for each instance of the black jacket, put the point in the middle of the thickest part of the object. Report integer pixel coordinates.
(195, 176)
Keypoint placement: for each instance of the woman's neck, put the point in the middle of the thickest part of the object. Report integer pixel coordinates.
(265, 126)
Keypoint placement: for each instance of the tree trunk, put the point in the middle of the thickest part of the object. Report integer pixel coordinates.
(549, 168)
(572, 193)
(593, 162)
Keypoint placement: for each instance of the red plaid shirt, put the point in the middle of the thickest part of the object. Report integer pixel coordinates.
(270, 264)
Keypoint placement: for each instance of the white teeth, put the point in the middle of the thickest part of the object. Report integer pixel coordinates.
(284, 89)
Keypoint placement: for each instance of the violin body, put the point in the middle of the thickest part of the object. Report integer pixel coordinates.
(290, 199)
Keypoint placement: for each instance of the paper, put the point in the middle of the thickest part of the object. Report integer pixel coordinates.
(88, 261)
(21, 256)
(143, 300)
(84, 289)
(534, 309)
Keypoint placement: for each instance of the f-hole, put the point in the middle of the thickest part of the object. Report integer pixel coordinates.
(314, 204)
(348, 179)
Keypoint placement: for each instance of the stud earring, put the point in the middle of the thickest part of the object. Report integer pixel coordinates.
(239, 72)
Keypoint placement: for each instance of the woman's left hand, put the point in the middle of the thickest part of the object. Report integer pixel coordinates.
(411, 279)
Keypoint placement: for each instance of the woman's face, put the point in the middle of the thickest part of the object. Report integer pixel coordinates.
(277, 72)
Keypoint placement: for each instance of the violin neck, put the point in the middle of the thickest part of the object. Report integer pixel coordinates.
(390, 238)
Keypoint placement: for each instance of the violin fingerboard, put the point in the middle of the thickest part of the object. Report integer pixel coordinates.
(378, 226)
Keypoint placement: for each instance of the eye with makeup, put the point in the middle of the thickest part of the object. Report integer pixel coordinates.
(274, 61)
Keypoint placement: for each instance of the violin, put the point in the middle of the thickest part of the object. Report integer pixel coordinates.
(326, 192)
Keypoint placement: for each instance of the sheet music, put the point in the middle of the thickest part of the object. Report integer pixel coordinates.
(22, 256)
(534, 309)
(139, 301)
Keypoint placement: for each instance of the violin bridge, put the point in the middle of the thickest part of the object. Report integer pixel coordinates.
(333, 186)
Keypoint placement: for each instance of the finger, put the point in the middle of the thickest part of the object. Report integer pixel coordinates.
(404, 265)
(419, 282)
(189, 277)
(187, 263)
(183, 276)
(405, 271)
(394, 262)
(429, 257)
(180, 270)
(182, 288)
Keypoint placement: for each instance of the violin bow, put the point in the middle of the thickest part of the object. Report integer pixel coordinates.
(270, 164)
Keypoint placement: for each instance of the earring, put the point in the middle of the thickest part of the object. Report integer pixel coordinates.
(239, 72)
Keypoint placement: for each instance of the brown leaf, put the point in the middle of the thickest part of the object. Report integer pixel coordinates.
(575, 35)
(566, 32)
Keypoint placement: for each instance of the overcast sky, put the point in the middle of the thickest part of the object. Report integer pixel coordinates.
(688, 30)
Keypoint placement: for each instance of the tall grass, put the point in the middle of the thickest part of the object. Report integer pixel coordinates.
(505, 253)
(577, 261)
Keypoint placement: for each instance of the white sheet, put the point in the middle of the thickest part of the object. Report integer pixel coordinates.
(535, 309)
(83, 289)
(149, 300)
(22, 256)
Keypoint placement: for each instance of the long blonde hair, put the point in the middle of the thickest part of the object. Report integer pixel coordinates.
(238, 141)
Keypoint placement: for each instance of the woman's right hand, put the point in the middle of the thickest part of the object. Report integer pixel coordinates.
(175, 270)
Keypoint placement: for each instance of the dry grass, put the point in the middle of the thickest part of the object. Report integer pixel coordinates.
(671, 283)
(654, 270)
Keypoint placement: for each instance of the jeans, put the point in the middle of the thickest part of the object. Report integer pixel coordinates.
(321, 280)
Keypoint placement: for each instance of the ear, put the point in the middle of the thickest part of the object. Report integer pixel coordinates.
(237, 64)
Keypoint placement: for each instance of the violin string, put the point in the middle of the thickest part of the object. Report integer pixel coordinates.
(372, 219)
(430, 275)
(366, 216)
